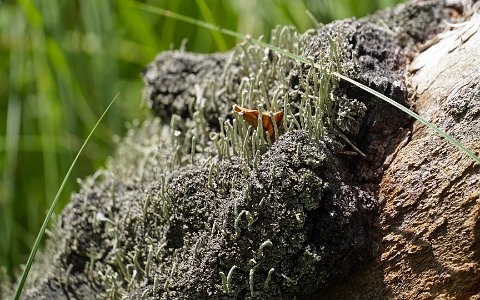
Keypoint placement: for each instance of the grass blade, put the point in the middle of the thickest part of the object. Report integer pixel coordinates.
(31, 257)
(170, 14)
(186, 19)
(419, 118)
(207, 15)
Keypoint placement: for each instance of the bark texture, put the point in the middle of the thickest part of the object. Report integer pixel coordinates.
(430, 222)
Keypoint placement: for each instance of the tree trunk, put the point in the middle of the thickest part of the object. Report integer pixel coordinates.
(430, 221)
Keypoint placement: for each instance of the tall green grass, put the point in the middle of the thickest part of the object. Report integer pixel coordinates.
(61, 61)
(48, 217)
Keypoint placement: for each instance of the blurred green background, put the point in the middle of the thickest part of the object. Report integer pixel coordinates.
(62, 61)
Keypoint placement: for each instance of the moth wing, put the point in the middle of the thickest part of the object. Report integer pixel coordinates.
(268, 125)
(266, 121)
(238, 108)
(249, 115)
(278, 118)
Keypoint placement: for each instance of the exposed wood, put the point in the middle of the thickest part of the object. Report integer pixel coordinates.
(431, 219)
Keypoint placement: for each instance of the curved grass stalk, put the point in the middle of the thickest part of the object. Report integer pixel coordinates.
(170, 14)
(419, 118)
(41, 233)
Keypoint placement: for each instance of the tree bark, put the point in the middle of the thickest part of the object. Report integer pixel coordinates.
(430, 221)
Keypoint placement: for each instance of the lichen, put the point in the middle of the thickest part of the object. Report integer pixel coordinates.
(197, 204)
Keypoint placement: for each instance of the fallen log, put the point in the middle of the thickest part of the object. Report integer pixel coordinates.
(190, 207)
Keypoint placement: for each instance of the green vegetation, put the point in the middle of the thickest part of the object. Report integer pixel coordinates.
(63, 61)
(47, 219)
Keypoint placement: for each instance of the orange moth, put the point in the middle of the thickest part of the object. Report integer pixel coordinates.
(251, 117)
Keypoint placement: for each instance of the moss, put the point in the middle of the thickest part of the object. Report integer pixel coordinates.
(412, 22)
(195, 204)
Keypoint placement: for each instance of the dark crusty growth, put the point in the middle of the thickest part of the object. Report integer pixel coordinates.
(193, 208)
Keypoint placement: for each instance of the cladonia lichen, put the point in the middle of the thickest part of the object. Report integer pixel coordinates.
(198, 204)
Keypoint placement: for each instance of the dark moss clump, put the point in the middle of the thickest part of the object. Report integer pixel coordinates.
(280, 205)
(412, 22)
(312, 223)
(176, 80)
